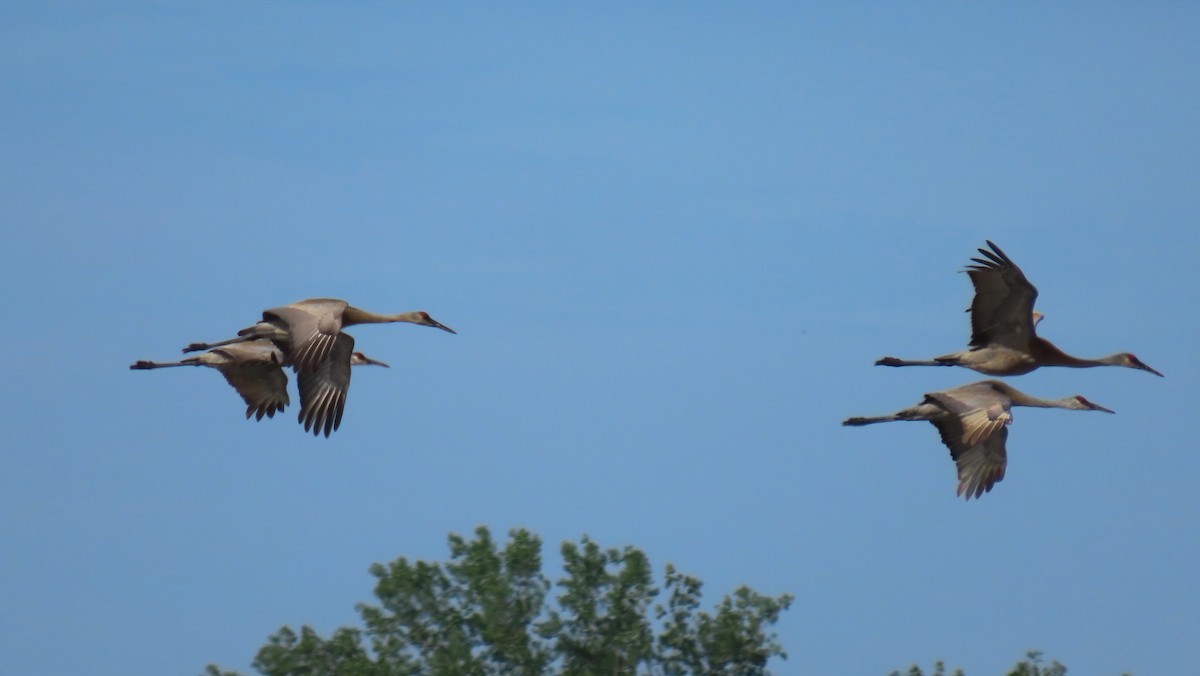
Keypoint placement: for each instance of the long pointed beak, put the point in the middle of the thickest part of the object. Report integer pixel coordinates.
(360, 359)
(1098, 407)
(1147, 368)
(438, 325)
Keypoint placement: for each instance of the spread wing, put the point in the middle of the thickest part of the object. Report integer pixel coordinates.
(323, 390)
(975, 432)
(255, 370)
(1002, 311)
(981, 465)
(314, 326)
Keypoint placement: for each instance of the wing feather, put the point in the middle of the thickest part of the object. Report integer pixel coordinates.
(975, 430)
(254, 369)
(1002, 310)
(323, 390)
(981, 465)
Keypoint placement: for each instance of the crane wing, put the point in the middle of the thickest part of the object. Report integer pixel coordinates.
(255, 370)
(1002, 310)
(975, 432)
(978, 411)
(980, 465)
(314, 326)
(323, 391)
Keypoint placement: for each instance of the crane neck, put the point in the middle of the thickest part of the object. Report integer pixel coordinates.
(1019, 398)
(352, 315)
(1068, 402)
(1048, 354)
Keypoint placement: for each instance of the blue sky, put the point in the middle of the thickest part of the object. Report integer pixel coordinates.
(673, 239)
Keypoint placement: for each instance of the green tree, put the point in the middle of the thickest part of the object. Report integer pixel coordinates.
(1030, 666)
(486, 612)
(939, 669)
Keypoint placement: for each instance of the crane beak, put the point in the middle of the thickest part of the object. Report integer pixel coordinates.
(1098, 407)
(1142, 366)
(364, 360)
(438, 325)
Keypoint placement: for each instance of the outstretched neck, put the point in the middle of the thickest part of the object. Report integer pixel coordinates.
(1035, 402)
(1072, 403)
(1019, 398)
(352, 315)
(1049, 355)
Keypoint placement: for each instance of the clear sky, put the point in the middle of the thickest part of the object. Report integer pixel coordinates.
(673, 238)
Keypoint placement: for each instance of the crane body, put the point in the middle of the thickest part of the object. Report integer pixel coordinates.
(307, 336)
(1004, 340)
(307, 329)
(972, 420)
(253, 368)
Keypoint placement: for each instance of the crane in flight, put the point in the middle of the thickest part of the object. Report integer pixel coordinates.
(973, 422)
(255, 370)
(1004, 340)
(307, 335)
(307, 330)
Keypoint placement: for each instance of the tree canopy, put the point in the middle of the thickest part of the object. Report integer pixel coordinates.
(488, 611)
(1030, 666)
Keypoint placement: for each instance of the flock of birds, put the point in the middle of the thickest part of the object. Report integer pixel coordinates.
(973, 419)
(308, 337)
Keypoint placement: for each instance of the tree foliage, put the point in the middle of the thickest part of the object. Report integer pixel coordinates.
(1030, 666)
(486, 612)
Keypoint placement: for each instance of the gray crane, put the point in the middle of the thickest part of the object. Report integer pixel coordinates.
(309, 335)
(255, 369)
(1004, 340)
(307, 330)
(973, 420)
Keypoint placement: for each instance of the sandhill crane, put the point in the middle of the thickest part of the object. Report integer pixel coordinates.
(972, 420)
(255, 369)
(1004, 341)
(307, 330)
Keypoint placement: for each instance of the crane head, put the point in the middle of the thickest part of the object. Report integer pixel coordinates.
(424, 319)
(1133, 362)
